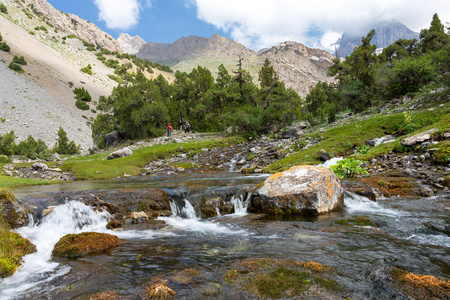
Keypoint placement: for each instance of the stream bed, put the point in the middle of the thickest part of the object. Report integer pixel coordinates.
(411, 233)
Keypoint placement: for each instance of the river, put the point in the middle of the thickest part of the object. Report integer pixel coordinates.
(411, 233)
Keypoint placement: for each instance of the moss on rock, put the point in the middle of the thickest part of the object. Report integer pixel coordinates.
(274, 279)
(77, 245)
(420, 286)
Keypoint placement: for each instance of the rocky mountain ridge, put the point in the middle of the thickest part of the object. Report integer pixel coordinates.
(71, 24)
(129, 44)
(298, 66)
(387, 32)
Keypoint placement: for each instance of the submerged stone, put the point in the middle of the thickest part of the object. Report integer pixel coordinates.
(299, 190)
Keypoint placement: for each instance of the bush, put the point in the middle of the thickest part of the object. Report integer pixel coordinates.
(4, 47)
(19, 60)
(7, 143)
(43, 28)
(15, 67)
(3, 8)
(82, 105)
(348, 168)
(87, 70)
(63, 146)
(32, 149)
(82, 94)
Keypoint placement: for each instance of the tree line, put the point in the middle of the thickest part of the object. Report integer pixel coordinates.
(144, 106)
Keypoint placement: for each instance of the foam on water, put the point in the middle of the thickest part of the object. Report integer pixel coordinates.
(186, 219)
(73, 217)
(356, 203)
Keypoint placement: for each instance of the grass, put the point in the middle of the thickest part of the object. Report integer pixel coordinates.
(341, 140)
(12, 246)
(15, 182)
(98, 167)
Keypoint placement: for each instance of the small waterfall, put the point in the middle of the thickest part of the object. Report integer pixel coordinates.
(357, 203)
(234, 162)
(384, 139)
(37, 269)
(185, 218)
(187, 211)
(331, 162)
(240, 205)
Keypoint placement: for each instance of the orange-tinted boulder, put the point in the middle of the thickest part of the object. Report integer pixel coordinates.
(299, 190)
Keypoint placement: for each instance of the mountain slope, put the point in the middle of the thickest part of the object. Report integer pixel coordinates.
(298, 66)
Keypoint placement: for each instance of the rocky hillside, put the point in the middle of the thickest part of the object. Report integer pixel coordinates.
(298, 66)
(130, 45)
(386, 34)
(70, 24)
(40, 100)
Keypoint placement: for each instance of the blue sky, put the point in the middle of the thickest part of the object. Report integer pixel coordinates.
(255, 23)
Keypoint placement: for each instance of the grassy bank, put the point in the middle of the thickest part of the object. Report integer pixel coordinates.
(342, 140)
(98, 167)
(12, 246)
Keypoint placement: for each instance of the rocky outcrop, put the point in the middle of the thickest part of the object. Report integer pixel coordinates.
(130, 45)
(386, 34)
(418, 138)
(72, 24)
(299, 190)
(78, 245)
(298, 66)
(120, 153)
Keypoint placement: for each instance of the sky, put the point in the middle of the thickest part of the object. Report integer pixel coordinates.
(256, 24)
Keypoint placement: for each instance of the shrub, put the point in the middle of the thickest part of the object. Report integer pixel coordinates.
(348, 168)
(87, 70)
(82, 94)
(82, 105)
(4, 47)
(7, 143)
(363, 149)
(1, 37)
(43, 28)
(30, 148)
(3, 8)
(15, 67)
(63, 146)
(19, 60)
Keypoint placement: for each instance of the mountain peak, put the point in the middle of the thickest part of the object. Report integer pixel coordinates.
(129, 44)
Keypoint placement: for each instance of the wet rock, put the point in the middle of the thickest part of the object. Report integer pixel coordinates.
(120, 153)
(16, 215)
(358, 187)
(371, 143)
(323, 155)
(418, 138)
(78, 245)
(299, 190)
(112, 138)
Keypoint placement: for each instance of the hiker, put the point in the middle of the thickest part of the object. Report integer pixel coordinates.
(169, 130)
(187, 127)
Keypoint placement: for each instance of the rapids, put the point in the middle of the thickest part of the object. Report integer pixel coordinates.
(411, 234)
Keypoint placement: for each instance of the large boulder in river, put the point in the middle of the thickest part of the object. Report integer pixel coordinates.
(120, 153)
(299, 190)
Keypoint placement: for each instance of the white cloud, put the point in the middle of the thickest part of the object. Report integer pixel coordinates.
(264, 23)
(120, 14)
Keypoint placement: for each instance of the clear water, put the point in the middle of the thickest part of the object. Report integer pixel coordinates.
(412, 234)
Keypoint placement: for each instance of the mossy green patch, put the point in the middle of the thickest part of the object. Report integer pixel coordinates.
(356, 221)
(98, 167)
(12, 246)
(77, 245)
(274, 279)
